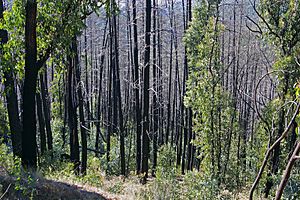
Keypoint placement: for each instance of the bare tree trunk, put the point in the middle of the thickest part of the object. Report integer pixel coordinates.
(117, 90)
(160, 80)
(145, 149)
(29, 157)
(154, 99)
(46, 109)
(101, 68)
(170, 80)
(137, 90)
(72, 116)
(65, 116)
(41, 123)
(81, 110)
(110, 100)
(87, 88)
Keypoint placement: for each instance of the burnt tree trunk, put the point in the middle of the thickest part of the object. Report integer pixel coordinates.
(29, 154)
(145, 149)
(46, 109)
(41, 122)
(137, 90)
(81, 110)
(72, 116)
(101, 68)
(117, 91)
(155, 103)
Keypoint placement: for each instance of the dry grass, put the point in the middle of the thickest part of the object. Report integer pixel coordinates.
(114, 187)
(43, 189)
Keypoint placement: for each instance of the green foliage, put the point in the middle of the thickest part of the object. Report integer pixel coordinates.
(58, 21)
(287, 69)
(169, 184)
(12, 57)
(282, 23)
(130, 146)
(8, 162)
(4, 129)
(297, 90)
(63, 170)
(166, 162)
(57, 126)
(292, 190)
(165, 185)
(25, 185)
(112, 167)
(25, 182)
(280, 20)
(94, 176)
(116, 188)
(201, 187)
(213, 107)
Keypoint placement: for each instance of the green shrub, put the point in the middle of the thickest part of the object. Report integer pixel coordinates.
(4, 129)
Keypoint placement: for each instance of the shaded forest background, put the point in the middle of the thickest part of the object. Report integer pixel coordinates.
(201, 95)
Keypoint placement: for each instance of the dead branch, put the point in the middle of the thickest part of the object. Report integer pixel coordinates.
(256, 24)
(5, 191)
(267, 155)
(255, 100)
(287, 172)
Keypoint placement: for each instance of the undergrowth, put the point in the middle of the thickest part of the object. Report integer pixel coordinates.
(64, 170)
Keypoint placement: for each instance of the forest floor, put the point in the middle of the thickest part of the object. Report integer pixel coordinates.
(113, 188)
(16, 188)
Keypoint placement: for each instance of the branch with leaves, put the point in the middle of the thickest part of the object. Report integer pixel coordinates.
(268, 152)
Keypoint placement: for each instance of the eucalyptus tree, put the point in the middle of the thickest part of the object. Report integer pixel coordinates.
(10, 91)
(138, 116)
(279, 26)
(49, 26)
(146, 78)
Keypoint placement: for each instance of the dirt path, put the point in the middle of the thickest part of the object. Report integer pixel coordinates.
(40, 188)
(114, 188)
